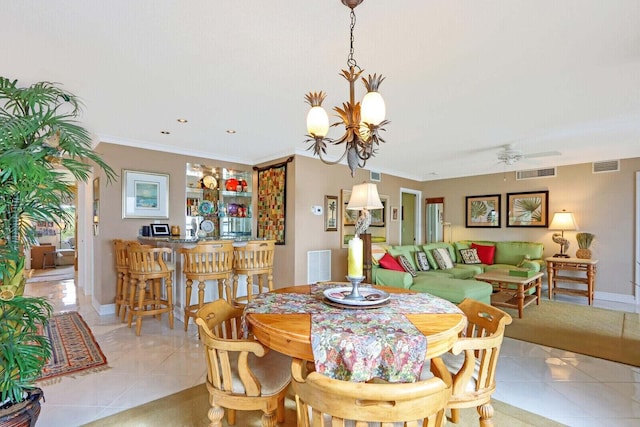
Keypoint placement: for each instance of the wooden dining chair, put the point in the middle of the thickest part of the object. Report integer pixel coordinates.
(253, 259)
(242, 374)
(208, 260)
(473, 360)
(324, 401)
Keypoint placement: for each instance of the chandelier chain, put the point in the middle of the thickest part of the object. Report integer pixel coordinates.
(351, 61)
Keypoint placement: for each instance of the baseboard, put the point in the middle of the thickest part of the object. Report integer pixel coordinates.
(103, 309)
(609, 296)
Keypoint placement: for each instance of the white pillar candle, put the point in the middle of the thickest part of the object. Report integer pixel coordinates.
(355, 257)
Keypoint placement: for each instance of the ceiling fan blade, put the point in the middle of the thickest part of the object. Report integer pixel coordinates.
(542, 154)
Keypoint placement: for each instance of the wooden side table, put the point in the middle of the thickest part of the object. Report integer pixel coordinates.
(586, 274)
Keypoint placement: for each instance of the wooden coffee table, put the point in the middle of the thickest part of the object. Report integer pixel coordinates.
(511, 291)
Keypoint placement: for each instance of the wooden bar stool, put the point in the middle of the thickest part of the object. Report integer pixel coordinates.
(208, 260)
(148, 271)
(253, 259)
(121, 256)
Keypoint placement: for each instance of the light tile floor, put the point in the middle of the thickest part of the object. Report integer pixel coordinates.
(573, 389)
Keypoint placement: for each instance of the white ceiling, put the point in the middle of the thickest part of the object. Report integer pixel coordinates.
(463, 78)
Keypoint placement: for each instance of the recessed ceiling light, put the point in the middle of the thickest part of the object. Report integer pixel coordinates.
(182, 120)
(165, 132)
(231, 131)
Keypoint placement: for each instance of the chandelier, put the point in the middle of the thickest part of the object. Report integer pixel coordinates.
(362, 121)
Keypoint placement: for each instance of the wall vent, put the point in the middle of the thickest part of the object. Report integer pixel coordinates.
(318, 266)
(606, 166)
(536, 173)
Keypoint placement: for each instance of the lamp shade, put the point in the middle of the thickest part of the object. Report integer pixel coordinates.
(373, 109)
(317, 122)
(364, 196)
(563, 221)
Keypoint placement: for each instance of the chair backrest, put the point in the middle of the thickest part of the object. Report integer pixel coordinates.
(480, 342)
(208, 257)
(319, 397)
(121, 254)
(149, 261)
(255, 255)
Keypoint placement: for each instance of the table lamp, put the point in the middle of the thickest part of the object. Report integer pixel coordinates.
(563, 221)
(363, 197)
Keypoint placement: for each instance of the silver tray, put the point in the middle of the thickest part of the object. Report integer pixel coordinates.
(371, 296)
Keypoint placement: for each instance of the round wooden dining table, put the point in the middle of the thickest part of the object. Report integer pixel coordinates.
(290, 334)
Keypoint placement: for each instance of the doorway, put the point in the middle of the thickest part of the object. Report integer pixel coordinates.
(410, 212)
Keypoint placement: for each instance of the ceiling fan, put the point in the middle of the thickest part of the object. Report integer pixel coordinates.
(510, 155)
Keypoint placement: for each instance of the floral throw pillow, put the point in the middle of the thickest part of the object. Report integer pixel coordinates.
(421, 261)
(443, 258)
(406, 265)
(470, 256)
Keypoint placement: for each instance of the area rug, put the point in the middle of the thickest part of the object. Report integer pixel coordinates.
(598, 332)
(189, 408)
(74, 349)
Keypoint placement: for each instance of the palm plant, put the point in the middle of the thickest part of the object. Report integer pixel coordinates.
(40, 144)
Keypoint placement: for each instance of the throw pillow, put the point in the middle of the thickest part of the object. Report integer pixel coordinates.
(421, 261)
(390, 263)
(485, 253)
(377, 252)
(406, 265)
(443, 258)
(470, 256)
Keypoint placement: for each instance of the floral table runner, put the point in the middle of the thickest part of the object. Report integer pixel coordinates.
(360, 344)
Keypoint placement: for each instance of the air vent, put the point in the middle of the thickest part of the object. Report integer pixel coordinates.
(536, 173)
(606, 166)
(318, 266)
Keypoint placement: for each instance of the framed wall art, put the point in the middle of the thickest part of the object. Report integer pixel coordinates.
(530, 209)
(272, 200)
(160, 230)
(331, 213)
(483, 211)
(145, 194)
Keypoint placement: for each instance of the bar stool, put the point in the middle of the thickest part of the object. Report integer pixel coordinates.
(254, 258)
(208, 260)
(121, 256)
(148, 270)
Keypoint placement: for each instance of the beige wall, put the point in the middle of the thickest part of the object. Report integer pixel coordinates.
(603, 204)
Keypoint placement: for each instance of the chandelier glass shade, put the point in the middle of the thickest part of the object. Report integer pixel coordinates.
(362, 121)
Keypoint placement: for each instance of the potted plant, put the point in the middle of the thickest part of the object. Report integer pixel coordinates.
(40, 145)
(584, 242)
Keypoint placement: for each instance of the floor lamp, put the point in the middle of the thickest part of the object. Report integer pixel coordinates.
(563, 221)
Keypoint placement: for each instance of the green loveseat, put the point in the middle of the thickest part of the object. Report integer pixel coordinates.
(457, 283)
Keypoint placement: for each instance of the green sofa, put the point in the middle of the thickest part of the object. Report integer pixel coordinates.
(458, 283)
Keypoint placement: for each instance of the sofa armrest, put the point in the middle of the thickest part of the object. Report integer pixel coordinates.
(397, 279)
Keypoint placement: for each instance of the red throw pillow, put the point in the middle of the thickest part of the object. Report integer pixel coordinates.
(390, 263)
(485, 253)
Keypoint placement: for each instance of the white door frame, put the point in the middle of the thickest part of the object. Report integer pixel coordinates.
(418, 214)
(636, 267)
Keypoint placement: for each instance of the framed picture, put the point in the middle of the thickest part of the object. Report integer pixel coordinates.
(394, 213)
(272, 201)
(378, 215)
(330, 213)
(530, 209)
(160, 230)
(145, 194)
(483, 211)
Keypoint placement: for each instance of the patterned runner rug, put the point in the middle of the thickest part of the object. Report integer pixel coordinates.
(74, 349)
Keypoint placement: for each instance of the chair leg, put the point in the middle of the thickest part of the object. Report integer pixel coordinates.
(455, 415)
(169, 286)
(486, 415)
(187, 303)
(119, 286)
(140, 307)
(215, 414)
(269, 420)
